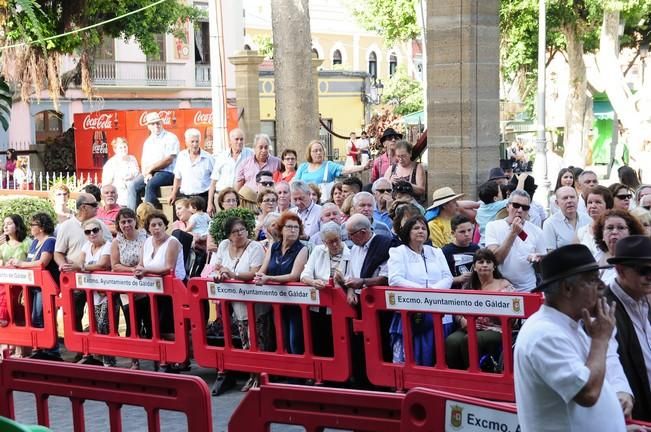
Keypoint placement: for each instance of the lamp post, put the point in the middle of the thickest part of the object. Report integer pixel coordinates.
(541, 141)
(372, 97)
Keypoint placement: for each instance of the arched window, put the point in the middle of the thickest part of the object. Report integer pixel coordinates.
(393, 64)
(48, 124)
(336, 57)
(372, 65)
(315, 53)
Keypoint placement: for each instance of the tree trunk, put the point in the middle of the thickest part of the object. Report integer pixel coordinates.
(297, 113)
(630, 110)
(576, 144)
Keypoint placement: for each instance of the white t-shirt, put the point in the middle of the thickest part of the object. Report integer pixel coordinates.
(91, 258)
(516, 266)
(201, 222)
(550, 355)
(158, 147)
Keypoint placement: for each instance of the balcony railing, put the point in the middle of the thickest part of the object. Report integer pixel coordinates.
(202, 75)
(125, 73)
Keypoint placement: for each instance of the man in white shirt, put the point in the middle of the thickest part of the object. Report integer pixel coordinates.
(158, 156)
(227, 164)
(586, 181)
(305, 208)
(567, 373)
(516, 242)
(630, 291)
(561, 227)
(193, 169)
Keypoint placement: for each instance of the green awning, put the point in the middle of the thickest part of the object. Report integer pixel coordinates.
(414, 118)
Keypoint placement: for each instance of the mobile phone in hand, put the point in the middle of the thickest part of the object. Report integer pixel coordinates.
(523, 235)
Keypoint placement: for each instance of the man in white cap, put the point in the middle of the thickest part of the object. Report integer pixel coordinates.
(158, 159)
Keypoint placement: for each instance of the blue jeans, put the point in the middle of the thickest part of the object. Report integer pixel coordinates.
(151, 188)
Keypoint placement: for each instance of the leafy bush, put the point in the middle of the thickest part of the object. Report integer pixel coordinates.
(26, 207)
(217, 226)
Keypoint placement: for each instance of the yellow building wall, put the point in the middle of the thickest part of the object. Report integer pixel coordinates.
(346, 109)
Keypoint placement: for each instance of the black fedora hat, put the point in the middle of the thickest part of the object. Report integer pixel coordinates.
(388, 133)
(632, 249)
(566, 261)
(497, 173)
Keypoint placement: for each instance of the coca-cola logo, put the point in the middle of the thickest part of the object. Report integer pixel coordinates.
(165, 116)
(102, 121)
(203, 118)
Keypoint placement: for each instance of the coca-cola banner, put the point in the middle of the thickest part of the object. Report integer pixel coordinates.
(95, 131)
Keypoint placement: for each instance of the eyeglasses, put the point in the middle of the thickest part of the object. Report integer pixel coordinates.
(268, 184)
(350, 234)
(230, 201)
(92, 230)
(292, 227)
(384, 190)
(269, 200)
(92, 204)
(647, 207)
(642, 270)
(524, 207)
(624, 196)
(238, 231)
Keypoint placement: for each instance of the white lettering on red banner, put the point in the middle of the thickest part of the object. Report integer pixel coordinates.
(202, 118)
(126, 283)
(264, 293)
(454, 302)
(473, 418)
(165, 116)
(102, 121)
(16, 276)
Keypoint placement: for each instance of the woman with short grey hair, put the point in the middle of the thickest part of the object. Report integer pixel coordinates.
(324, 261)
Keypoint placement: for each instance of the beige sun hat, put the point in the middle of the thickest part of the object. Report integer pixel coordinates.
(152, 117)
(442, 196)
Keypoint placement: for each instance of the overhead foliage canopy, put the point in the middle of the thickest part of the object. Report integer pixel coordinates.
(404, 92)
(394, 20)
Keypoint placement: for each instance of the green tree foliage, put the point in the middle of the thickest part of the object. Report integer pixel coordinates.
(265, 46)
(217, 226)
(404, 92)
(394, 20)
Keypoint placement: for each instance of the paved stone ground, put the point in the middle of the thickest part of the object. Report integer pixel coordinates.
(134, 418)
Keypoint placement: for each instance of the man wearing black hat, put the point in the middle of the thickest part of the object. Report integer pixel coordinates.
(498, 175)
(567, 374)
(382, 163)
(630, 291)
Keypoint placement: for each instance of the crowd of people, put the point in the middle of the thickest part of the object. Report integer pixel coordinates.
(317, 223)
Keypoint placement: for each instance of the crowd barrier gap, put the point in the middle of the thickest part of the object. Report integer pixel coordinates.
(312, 363)
(21, 287)
(116, 387)
(146, 297)
(507, 307)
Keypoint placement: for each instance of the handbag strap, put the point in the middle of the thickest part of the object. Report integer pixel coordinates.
(325, 172)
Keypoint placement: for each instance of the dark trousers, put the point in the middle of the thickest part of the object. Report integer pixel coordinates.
(151, 188)
(321, 329)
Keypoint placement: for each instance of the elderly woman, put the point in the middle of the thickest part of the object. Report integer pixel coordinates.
(417, 265)
(318, 170)
(60, 198)
(283, 263)
(121, 169)
(643, 216)
(621, 196)
(485, 277)
(599, 200)
(641, 192)
(613, 225)
(270, 229)
(267, 202)
(406, 169)
(284, 196)
(239, 258)
(324, 261)
(125, 256)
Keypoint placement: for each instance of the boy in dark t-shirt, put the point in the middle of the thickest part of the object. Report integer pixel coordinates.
(460, 252)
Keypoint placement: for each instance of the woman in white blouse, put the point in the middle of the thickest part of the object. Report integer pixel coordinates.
(239, 258)
(325, 259)
(417, 265)
(121, 169)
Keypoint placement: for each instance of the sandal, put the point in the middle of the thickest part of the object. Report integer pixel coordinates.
(249, 384)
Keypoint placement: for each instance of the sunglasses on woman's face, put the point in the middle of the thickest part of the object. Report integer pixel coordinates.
(624, 196)
(92, 230)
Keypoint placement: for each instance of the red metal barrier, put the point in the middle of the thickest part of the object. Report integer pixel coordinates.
(116, 387)
(19, 286)
(148, 347)
(316, 408)
(278, 362)
(470, 304)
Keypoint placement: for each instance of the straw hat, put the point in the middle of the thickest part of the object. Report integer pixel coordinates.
(442, 196)
(152, 117)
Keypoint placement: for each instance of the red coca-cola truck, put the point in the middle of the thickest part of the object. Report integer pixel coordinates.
(95, 131)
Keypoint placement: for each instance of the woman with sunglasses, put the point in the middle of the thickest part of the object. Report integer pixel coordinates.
(283, 263)
(287, 171)
(95, 256)
(621, 196)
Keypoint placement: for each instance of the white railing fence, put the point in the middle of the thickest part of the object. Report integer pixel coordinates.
(45, 180)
